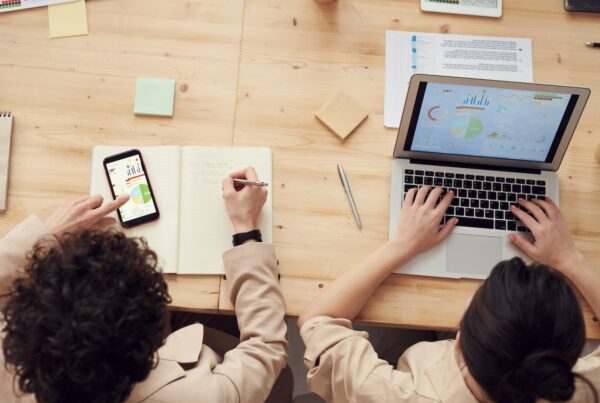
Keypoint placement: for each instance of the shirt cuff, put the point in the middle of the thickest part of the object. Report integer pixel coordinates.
(322, 333)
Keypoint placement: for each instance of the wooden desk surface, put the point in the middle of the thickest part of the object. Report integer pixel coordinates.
(294, 57)
(70, 94)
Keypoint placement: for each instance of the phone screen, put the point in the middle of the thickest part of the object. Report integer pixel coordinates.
(127, 175)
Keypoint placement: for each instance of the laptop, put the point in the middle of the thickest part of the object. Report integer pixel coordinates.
(483, 8)
(490, 142)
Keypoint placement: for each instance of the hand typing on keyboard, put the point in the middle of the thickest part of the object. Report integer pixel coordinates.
(480, 201)
(418, 227)
(553, 244)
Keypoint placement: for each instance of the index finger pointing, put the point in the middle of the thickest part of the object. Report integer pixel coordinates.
(112, 206)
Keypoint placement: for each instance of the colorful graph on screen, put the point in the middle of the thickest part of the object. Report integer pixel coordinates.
(488, 122)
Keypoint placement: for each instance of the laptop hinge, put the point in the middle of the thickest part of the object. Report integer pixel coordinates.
(475, 166)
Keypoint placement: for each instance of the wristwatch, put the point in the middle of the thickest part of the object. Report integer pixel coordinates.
(242, 237)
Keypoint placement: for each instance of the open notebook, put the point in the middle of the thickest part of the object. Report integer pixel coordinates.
(193, 230)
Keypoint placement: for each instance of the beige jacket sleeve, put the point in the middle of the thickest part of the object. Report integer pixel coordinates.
(344, 367)
(14, 247)
(254, 365)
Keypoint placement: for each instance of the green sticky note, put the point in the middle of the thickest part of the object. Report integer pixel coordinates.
(154, 96)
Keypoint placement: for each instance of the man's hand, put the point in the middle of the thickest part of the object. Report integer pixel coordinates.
(418, 227)
(553, 245)
(243, 203)
(85, 213)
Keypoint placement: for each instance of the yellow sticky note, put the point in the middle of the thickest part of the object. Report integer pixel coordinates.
(67, 19)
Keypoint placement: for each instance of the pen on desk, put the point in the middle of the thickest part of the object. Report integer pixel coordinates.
(251, 183)
(592, 44)
(349, 193)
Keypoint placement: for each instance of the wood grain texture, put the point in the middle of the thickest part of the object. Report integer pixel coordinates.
(70, 94)
(295, 55)
(73, 93)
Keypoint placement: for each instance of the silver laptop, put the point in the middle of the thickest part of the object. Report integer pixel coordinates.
(491, 142)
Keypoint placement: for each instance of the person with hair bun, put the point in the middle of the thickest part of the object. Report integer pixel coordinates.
(519, 341)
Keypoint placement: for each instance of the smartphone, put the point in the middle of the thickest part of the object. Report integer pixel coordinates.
(126, 173)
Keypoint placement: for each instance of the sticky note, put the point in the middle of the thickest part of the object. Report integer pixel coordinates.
(67, 19)
(342, 114)
(154, 96)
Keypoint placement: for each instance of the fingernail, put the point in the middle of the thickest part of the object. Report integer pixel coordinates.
(511, 237)
(455, 220)
(512, 206)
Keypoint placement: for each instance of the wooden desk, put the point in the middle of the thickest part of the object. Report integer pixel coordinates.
(296, 55)
(70, 94)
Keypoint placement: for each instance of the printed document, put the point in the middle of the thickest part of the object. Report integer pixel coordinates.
(408, 53)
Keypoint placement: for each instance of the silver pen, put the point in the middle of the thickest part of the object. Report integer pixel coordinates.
(251, 183)
(349, 193)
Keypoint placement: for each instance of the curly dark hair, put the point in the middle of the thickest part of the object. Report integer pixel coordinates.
(86, 319)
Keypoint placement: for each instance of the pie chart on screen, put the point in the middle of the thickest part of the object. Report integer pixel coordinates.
(466, 127)
(140, 194)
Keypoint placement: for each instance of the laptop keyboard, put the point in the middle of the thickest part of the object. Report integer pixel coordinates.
(480, 201)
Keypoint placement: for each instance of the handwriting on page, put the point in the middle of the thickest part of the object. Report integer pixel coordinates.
(205, 229)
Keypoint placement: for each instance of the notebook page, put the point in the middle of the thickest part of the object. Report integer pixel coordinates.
(205, 230)
(163, 165)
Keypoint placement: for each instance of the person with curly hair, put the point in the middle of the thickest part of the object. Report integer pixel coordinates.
(519, 341)
(87, 319)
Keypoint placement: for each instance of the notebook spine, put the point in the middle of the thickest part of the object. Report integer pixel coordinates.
(5, 114)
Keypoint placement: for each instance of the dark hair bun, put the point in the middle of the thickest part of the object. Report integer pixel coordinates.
(547, 375)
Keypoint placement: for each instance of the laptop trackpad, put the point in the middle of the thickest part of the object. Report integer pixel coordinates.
(472, 255)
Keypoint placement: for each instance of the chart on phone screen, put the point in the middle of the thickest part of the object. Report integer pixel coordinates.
(128, 176)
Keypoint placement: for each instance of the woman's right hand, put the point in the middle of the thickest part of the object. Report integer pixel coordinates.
(243, 203)
(553, 245)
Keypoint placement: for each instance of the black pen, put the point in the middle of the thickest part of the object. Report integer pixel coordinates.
(592, 44)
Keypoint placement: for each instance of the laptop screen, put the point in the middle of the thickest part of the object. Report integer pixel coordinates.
(488, 121)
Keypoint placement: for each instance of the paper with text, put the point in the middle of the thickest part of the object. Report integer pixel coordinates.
(205, 230)
(408, 53)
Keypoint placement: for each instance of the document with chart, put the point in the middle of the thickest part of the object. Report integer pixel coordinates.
(408, 53)
(193, 230)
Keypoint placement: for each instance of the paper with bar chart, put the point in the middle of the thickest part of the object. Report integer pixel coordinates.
(408, 53)
(488, 121)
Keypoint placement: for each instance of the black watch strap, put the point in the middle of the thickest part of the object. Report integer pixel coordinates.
(242, 237)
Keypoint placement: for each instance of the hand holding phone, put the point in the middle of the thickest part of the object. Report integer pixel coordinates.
(127, 174)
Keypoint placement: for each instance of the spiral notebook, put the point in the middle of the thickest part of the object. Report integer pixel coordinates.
(193, 230)
(6, 119)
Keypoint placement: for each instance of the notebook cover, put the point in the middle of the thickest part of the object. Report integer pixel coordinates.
(5, 136)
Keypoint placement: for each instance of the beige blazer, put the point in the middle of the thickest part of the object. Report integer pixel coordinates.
(187, 370)
(344, 367)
